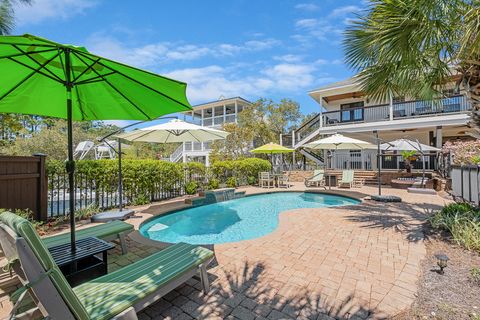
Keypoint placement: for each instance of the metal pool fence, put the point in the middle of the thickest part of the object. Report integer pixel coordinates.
(466, 183)
(92, 193)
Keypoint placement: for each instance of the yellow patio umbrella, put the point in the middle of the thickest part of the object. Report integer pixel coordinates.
(272, 148)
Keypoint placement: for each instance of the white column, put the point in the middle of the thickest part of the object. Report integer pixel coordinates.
(320, 116)
(207, 160)
(293, 153)
(390, 110)
(439, 137)
(236, 111)
(224, 113)
(203, 115)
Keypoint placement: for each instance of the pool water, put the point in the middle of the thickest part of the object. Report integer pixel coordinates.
(234, 220)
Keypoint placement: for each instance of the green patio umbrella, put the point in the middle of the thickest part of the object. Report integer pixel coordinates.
(42, 77)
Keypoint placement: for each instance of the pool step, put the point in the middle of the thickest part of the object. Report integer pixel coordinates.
(214, 196)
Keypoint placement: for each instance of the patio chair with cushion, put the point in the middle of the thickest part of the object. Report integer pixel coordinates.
(120, 294)
(317, 180)
(266, 180)
(106, 231)
(347, 179)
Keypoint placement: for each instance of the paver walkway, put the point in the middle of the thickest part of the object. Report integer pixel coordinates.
(348, 263)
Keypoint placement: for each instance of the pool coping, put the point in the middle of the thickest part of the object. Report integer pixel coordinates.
(138, 237)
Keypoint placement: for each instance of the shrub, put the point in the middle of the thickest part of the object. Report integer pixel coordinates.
(87, 212)
(213, 184)
(232, 182)
(191, 187)
(475, 274)
(462, 220)
(251, 180)
(239, 169)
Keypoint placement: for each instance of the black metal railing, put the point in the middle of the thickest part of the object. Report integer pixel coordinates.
(104, 195)
(400, 110)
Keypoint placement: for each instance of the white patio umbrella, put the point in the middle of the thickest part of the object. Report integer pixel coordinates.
(338, 142)
(409, 145)
(174, 131)
(170, 132)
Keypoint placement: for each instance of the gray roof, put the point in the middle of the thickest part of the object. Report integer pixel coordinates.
(343, 83)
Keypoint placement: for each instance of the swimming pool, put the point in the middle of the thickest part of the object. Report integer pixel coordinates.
(234, 220)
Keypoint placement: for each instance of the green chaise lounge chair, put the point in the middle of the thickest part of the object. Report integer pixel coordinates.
(318, 179)
(117, 295)
(107, 231)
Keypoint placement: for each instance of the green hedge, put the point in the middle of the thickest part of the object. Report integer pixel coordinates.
(243, 171)
(150, 180)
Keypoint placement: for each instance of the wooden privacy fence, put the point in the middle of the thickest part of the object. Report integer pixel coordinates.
(23, 184)
(466, 183)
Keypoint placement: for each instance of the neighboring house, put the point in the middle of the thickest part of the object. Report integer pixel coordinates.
(211, 114)
(345, 109)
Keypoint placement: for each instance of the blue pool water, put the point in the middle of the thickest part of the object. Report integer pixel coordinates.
(234, 220)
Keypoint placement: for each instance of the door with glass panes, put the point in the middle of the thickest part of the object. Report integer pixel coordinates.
(352, 111)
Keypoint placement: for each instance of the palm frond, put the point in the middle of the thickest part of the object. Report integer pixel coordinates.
(403, 47)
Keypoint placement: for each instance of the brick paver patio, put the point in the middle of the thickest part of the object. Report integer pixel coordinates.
(349, 263)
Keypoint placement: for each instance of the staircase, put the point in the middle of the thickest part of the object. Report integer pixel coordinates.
(315, 157)
(370, 177)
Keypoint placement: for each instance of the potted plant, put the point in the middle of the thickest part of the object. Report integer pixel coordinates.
(408, 158)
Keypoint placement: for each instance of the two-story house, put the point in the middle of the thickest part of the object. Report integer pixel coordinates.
(345, 109)
(211, 114)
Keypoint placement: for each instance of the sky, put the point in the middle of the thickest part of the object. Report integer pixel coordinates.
(270, 48)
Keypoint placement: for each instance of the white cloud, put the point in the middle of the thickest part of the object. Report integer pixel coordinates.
(289, 58)
(306, 23)
(41, 10)
(343, 11)
(307, 7)
(328, 27)
(211, 82)
(165, 52)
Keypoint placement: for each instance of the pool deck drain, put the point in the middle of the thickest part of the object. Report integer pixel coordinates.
(354, 262)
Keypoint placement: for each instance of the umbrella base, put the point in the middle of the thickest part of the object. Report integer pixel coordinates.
(382, 198)
(422, 191)
(113, 215)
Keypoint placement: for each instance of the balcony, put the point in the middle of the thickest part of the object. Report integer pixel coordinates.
(400, 110)
(384, 112)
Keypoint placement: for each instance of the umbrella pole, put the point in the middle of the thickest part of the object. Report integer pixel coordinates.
(379, 163)
(120, 184)
(70, 166)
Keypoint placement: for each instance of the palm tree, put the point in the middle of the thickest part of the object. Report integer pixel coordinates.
(7, 18)
(415, 47)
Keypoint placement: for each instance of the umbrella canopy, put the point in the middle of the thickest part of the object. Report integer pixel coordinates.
(34, 80)
(42, 77)
(271, 148)
(407, 145)
(339, 142)
(174, 131)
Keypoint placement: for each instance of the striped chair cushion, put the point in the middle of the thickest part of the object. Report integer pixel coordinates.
(113, 293)
(24, 229)
(100, 231)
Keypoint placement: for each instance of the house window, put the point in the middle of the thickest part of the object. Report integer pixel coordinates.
(352, 111)
(450, 92)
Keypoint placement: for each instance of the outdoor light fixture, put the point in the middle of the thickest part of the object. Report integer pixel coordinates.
(442, 260)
